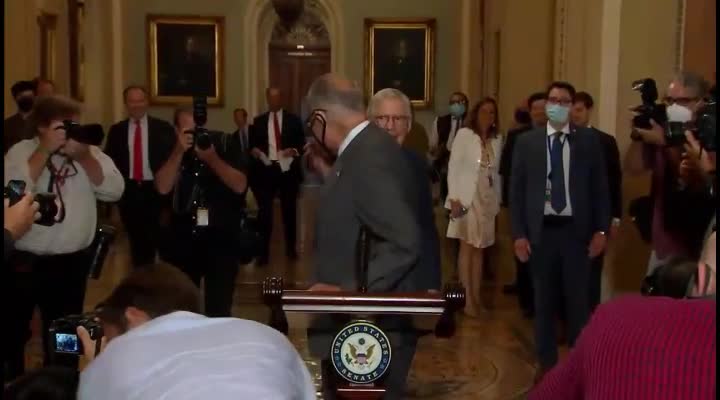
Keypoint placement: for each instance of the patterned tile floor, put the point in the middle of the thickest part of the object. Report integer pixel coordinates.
(488, 358)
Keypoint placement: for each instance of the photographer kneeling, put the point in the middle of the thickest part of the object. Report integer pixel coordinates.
(203, 173)
(50, 267)
(159, 346)
(677, 214)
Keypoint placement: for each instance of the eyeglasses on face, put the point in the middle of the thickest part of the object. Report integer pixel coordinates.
(396, 119)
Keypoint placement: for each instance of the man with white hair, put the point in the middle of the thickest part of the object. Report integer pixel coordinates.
(645, 347)
(370, 187)
(391, 110)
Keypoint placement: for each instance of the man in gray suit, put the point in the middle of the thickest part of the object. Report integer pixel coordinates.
(560, 211)
(370, 186)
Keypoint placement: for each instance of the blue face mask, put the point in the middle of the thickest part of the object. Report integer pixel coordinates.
(557, 113)
(457, 109)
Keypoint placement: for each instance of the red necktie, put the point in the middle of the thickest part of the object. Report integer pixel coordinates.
(276, 126)
(138, 153)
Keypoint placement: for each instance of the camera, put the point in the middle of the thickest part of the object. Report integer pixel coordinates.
(63, 333)
(15, 190)
(703, 128)
(201, 136)
(91, 134)
(649, 109)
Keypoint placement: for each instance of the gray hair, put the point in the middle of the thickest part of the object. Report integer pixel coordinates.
(694, 82)
(390, 93)
(334, 95)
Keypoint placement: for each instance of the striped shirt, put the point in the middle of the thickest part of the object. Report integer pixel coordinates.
(640, 348)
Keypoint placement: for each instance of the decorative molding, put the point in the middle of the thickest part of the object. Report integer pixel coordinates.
(258, 24)
(680, 35)
(560, 39)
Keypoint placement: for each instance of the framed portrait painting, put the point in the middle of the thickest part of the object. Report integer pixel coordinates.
(400, 54)
(185, 58)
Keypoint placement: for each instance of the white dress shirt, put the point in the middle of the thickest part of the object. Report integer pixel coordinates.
(272, 143)
(147, 171)
(80, 197)
(455, 125)
(187, 356)
(567, 212)
(353, 133)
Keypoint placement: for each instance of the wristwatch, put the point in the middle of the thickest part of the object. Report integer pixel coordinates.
(615, 222)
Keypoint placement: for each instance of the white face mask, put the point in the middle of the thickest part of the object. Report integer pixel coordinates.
(678, 113)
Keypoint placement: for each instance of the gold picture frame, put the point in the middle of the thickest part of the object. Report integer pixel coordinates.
(48, 44)
(186, 59)
(400, 53)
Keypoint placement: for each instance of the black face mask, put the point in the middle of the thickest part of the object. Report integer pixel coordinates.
(25, 103)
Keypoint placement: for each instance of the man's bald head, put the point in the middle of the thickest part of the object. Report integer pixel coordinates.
(274, 98)
(336, 95)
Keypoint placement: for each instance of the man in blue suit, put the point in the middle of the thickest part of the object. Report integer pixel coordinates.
(560, 211)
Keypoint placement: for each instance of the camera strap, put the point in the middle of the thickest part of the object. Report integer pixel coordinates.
(57, 181)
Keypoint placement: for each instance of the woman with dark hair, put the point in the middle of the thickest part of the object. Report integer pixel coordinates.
(49, 383)
(474, 194)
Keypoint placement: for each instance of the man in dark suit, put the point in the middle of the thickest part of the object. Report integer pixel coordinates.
(371, 186)
(538, 119)
(240, 116)
(135, 145)
(560, 211)
(442, 136)
(276, 139)
(581, 111)
(15, 128)
(391, 110)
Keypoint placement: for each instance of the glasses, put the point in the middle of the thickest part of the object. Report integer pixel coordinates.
(683, 101)
(383, 120)
(560, 101)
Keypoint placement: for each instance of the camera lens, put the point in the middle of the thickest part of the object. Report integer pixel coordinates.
(47, 208)
(203, 141)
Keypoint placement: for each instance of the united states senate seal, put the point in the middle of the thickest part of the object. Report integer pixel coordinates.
(361, 352)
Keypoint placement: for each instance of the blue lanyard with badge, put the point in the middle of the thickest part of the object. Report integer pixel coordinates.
(548, 184)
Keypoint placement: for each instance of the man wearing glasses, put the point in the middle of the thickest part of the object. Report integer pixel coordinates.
(560, 212)
(679, 214)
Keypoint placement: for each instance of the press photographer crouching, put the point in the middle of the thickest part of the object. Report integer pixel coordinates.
(52, 261)
(675, 216)
(203, 172)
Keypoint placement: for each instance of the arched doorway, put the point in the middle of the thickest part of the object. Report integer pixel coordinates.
(298, 55)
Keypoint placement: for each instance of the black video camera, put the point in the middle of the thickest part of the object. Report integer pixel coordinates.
(63, 334)
(704, 129)
(91, 134)
(201, 136)
(15, 190)
(649, 109)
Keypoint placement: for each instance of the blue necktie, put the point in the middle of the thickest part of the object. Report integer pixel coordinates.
(557, 175)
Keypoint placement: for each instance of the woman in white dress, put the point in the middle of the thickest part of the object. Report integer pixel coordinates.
(474, 195)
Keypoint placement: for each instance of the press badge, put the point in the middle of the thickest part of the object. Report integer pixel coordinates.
(203, 217)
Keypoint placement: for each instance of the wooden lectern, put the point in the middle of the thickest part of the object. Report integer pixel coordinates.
(361, 352)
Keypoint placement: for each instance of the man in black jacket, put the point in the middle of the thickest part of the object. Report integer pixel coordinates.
(276, 142)
(135, 145)
(581, 111)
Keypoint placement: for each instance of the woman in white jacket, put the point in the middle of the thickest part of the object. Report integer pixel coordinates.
(474, 195)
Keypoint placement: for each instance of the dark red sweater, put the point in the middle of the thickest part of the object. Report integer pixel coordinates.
(640, 348)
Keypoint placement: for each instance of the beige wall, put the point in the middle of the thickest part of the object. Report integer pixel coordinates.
(526, 51)
(352, 15)
(699, 42)
(22, 44)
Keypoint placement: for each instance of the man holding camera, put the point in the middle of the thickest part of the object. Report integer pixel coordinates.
(203, 173)
(51, 265)
(679, 214)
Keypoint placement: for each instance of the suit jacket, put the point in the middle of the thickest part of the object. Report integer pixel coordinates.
(9, 244)
(291, 136)
(15, 129)
(427, 273)
(588, 184)
(371, 184)
(506, 160)
(614, 172)
(160, 135)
